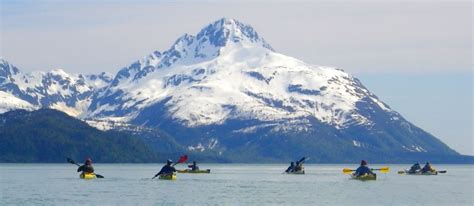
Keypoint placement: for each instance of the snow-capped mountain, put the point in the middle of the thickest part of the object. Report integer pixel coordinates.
(227, 83)
(226, 72)
(55, 89)
(226, 91)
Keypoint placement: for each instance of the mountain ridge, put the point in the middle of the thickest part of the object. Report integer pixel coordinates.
(226, 90)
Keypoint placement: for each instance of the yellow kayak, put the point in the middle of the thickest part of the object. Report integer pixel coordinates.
(87, 176)
(195, 171)
(167, 177)
(364, 177)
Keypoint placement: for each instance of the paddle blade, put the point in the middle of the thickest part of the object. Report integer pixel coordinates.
(347, 171)
(442, 171)
(401, 172)
(183, 158)
(384, 169)
(99, 176)
(70, 160)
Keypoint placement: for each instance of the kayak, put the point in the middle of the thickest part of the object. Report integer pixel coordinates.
(167, 177)
(301, 172)
(195, 171)
(364, 177)
(424, 173)
(87, 176)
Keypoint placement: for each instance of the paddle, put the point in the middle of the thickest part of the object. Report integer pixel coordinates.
(182, 159)
(75, 163)
(383, 170)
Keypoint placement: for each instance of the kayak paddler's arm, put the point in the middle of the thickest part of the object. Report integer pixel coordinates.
(80, 168)
(159, 173)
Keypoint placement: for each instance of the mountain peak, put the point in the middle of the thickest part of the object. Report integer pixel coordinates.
(59, 72)
(227, 30)
(3, 61)
(210, 41)
(6, 69)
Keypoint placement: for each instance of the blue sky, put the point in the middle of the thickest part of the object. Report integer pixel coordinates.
(438, 103)
(415, 55)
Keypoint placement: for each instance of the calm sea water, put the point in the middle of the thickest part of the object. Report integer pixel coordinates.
(230, 184)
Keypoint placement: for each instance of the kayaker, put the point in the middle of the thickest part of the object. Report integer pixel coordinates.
(363, 169)
(87, 167)
(291, 167)
(298, 166)
(194, 166)
(427, 168)
(414, 168)
(168, 169)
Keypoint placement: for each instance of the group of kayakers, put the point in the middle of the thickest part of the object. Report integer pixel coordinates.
(416, 168)
(295, 168)
(167, 170)
(298, 167)
(363, 170)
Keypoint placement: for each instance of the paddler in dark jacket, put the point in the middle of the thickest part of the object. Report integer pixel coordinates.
(291, 167)
(167, 169)
(194, 166)
(415, 168)
(298, 166)
(87, 167)
(363, 169)
(427, 168)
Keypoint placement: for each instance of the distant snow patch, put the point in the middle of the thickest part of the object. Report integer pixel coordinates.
(414, 148)
(105, 125)
(198, 147)
(201, 148)
(212, 143)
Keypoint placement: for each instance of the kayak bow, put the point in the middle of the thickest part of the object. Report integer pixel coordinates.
(168, 177)
(87, 176)
(364, 177)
